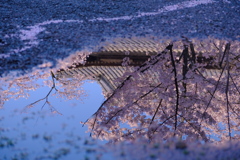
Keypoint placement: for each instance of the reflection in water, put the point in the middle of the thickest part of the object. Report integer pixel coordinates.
(21, 86)
(158, 90)
(188, 89)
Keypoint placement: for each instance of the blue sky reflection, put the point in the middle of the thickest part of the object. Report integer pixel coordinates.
(39, 130)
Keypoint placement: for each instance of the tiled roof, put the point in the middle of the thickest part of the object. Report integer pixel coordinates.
(106, 76)
(134, 46)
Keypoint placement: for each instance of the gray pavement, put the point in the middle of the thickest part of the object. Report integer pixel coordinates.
(34, 32)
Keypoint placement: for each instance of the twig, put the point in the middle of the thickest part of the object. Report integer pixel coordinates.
(212, 94)
(156, 111)
(153, 131)
(142, 96)
(237, 114)
(114, 115)
(234, 83)
(141, 69)
(135, 102)
(194, 127)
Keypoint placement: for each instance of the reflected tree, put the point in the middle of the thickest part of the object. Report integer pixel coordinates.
(20, 86)
(158, 90)
(189, 90)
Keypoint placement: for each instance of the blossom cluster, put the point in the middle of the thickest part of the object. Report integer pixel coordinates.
(175, 94)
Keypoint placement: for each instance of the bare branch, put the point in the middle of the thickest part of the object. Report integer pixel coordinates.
(225, 51)
(141, 69)
(176, 85)
(46, 97)
(234, 83)
(193, 59)
(185, 66)
(227, 88)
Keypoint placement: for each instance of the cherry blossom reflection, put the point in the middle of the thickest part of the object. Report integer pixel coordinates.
(156, 89)
(159, 89)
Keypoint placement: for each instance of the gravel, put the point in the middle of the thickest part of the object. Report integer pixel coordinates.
(35, 32)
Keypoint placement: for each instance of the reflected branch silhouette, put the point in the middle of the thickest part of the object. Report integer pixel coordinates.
(144, 67)
(227, 89)
(176, 86)
(187, 89)
(53, 110)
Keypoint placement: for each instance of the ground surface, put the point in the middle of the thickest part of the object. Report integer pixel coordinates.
(34, 32)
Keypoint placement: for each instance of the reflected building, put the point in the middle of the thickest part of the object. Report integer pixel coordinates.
(113, 60)
(106, 65)
(151, 95)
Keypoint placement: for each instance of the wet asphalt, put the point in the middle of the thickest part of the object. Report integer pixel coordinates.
(78, 25)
